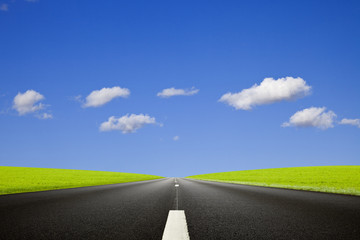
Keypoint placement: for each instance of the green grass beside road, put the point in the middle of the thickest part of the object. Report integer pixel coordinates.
(23, 179)
(332, 179)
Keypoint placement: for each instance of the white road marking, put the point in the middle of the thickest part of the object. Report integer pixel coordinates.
(176, 227)
(176, 195)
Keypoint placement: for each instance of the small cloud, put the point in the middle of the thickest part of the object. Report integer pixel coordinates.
(100, 97)
(127, 123)
(4, 7)
(269, 91)
(312, 117)
(46, 116)
(354, 122)
(176, 138)
(77, 98)
(25, 103)
(170, 92)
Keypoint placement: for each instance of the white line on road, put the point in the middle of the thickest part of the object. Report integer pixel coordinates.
(176, 227)
(176, 195)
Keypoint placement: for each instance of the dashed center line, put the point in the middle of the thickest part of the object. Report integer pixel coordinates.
(176, 226)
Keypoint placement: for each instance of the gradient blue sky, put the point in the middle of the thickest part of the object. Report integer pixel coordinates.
(63, 49)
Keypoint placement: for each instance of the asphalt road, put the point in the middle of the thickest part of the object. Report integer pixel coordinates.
(213, 211)
(231, 211)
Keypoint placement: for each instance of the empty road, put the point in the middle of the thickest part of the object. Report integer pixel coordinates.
(213, 211)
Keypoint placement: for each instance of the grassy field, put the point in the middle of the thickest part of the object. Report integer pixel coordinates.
(22, 179)
(333, 179)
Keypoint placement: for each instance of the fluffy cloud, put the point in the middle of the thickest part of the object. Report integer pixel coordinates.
(127, 123)
(354, 122)
(170, 92)
(100, 97)
(176, 138)
(4, 7)
(312, 117)
(25, 103)
(269, 91)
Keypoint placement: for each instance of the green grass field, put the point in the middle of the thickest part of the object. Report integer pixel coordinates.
(23, 179)
(332, 179)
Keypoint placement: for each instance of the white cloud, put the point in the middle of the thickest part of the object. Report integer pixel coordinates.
(4, 7)
(354, 122)
(100, 97)
(312, 117)
(46, 116)
(269, 91)
(170, 92)
(176, 138)
(25, 103)
(127, 123)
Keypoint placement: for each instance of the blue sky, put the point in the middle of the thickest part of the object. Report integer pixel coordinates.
(65, 50)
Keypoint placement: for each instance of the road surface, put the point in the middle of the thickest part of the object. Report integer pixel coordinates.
(213, 211)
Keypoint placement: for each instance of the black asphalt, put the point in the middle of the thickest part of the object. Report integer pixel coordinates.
(121, 211)
(213, 211)
(231, 211)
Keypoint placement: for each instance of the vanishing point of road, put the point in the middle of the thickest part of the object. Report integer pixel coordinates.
(140, 210)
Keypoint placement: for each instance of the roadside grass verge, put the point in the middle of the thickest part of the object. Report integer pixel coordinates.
(331, 179)
(23, 179)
